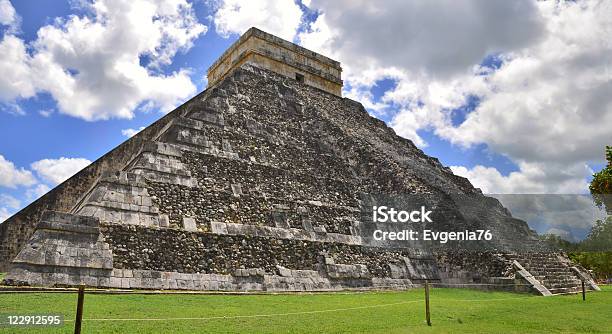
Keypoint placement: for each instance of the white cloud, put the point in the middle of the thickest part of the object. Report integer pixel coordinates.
(36, 192)
(91, 64)
(551, 101)
(278, 17)
(11, 176)
(367, 99)
(46, 112)
(561, 214)
(436, 38)
(9, 201)
(547, 108)
(58, 170)
(532, 178)
(8, 16)
(4, 214)
(131, 132)
(16, 80)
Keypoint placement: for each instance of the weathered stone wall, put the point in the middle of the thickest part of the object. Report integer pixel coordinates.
(456, 266)
(136, 247)
(256, 184)
(267, 51)
(65, 249)
(206, 207)
(16, 230)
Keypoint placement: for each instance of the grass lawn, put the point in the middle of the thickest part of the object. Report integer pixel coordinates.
(453, 311)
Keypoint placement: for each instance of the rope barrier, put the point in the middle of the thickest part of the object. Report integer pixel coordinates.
(290, 313)
(255, 315)
(484, 300)
(479, 284)
(271, 315)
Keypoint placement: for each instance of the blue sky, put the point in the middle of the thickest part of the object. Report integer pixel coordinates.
(498, 105)
(94, 138)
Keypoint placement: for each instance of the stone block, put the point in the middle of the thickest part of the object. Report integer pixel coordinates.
(307, 225)
(125, 283)
(130, 218)
(164, 220)
(283, 271)
(189, 224)
(236, 189)
(146, 201)
(103, 281)
(115, 282)
(320, 229)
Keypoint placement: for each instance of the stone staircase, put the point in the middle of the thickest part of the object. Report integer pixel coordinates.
(556, 275)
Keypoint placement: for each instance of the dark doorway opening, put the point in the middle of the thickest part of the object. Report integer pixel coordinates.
(299, 77)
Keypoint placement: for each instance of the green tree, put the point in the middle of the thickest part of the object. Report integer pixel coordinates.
(601, 185)
(555, 242)
(600, 237)
(595, 252)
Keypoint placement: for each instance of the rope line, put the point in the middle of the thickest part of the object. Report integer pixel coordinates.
(251, 316)
(478, 284)
(484, 300)
(254, 315)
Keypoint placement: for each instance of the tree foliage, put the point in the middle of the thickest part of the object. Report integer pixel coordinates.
(601, 185)
(600, 263)
(593, 253)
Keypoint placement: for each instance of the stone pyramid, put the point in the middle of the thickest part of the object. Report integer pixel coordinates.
(258, 183)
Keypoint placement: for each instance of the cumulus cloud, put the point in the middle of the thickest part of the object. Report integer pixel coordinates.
(131, 132)
(551, 101)
(36, 192)
(279, 17)
(8, 15)
(570, 216)
(4, 214)
(437, 38)
(540, 71)
(9, 201)
(57, 171)
(532, 178)
(91, 64)
(11, 176)
(16, 80)
(45, 112)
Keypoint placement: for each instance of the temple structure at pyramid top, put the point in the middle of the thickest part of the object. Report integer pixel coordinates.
(273, 53)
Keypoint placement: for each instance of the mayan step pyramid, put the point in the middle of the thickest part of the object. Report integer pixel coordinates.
(258, 183)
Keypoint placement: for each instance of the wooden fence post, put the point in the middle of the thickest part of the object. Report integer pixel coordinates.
(583, 292)
(427, 303)
(79, 314)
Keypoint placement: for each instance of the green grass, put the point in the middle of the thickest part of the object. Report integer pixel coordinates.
(453, 311)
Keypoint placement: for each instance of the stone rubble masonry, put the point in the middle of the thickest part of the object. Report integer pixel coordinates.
(282, 233)
(252, 185)
(68, 250)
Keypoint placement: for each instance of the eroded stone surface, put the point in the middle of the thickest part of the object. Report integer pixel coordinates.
(252, 185)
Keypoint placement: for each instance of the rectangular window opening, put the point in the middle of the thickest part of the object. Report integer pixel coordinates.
(299, 77)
